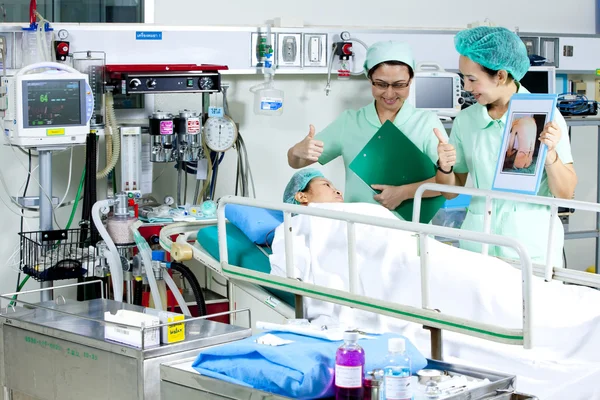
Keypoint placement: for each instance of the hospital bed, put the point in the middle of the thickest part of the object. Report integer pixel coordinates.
(455, 329)
(199, 241)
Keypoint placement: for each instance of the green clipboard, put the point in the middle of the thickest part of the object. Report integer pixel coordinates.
(390, 158)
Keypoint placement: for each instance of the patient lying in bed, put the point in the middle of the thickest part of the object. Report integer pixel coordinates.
(462, 283)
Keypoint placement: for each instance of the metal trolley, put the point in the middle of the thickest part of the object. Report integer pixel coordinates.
(180, 381)
(56, 350)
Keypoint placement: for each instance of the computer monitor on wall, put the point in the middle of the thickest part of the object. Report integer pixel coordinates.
(540, 80)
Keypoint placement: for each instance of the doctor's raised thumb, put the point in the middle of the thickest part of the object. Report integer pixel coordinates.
(311, 131)
(441, 137)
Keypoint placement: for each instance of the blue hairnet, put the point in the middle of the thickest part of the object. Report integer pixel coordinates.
(299, 182)
(388, 50)
(495, 48)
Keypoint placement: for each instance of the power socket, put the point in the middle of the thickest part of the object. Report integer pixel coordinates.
(289, 49)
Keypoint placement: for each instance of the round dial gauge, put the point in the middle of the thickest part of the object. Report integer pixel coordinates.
(205, 83)
(220, 133)
(63, 34)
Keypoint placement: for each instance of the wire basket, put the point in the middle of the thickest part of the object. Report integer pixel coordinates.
(56, 255)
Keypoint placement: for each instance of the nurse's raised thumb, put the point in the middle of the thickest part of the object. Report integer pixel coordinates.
(439, 135)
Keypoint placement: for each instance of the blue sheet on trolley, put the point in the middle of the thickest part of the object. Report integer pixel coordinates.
(303, 369)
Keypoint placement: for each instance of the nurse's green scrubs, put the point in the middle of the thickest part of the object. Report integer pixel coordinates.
(353, 129)
(477, 139)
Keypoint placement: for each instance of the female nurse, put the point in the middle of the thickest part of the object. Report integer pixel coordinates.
(493, 60)
(389, 66)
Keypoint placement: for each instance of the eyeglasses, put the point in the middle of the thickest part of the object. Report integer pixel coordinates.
(396, 85)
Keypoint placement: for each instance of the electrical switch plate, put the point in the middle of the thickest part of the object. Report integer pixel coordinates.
(257, 48)
(289, 50)
(315, 49)
(549, 50)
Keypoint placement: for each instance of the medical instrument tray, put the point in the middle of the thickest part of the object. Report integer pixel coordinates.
(57, 350)
(180, 381)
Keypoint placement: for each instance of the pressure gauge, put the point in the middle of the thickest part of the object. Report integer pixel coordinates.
(205, 83)
(345, 36)
(169, 200)
(63, 34)
(220, 133)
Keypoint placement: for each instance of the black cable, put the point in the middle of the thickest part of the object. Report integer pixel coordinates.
(138, 292)
(565, 257)
(194, 284)
(23, 217)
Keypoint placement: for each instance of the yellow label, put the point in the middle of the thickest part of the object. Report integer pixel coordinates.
(176, 332)
(598, 72)
(55, 132)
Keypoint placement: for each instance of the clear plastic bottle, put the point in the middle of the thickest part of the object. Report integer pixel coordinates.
(349, 369)
(396, 372)
(268, 100)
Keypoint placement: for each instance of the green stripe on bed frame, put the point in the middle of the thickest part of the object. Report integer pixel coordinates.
(452, 324)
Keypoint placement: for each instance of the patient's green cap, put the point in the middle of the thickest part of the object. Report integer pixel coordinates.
(299, 182)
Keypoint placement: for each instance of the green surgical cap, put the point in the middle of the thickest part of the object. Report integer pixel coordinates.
(298, 183)
(494, 48)
(388, 51)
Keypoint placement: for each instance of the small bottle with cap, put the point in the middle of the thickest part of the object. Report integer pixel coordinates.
(349, 369)
(397, 372)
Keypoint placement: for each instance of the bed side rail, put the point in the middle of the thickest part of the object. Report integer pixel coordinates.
(350, 298)
(490, 195)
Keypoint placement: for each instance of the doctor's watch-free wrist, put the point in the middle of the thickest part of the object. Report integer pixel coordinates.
(440, 168)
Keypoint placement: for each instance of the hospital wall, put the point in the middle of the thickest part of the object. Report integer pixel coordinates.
(268, 138)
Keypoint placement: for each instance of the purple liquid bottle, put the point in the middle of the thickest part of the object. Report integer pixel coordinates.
(349, 369)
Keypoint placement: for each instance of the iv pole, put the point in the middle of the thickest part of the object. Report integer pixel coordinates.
(46, 209)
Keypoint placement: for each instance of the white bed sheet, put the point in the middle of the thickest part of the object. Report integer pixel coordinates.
(465, 284)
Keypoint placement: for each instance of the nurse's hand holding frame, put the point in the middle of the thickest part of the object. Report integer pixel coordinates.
(550, 136)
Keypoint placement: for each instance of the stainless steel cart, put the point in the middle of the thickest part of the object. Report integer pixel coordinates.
(180, 381)
(56, 350)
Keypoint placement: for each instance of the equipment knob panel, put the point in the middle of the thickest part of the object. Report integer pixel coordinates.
(134, 83)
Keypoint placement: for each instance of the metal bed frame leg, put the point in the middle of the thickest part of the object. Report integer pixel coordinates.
(437, 347)
(299, 311)
(7, 393)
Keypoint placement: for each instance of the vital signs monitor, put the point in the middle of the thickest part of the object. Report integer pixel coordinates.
(437, 91)
(48, 108)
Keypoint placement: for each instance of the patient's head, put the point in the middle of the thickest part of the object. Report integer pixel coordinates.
(310, 186)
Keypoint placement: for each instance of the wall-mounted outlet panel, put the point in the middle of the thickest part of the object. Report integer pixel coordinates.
(532, 44)
(289, 50)
(257, 48)
(549, 50)
(315, 49)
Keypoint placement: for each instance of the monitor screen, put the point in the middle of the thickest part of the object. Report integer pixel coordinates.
(434, 92)
(52, 103)
(536, 81)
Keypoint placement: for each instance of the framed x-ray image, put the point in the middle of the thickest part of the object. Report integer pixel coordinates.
(522, 155)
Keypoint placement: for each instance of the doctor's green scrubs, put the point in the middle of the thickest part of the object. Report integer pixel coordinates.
(352, 130)
(477, 139)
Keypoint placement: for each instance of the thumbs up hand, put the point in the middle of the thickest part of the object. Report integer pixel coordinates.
(446, 152)
(309, 149)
